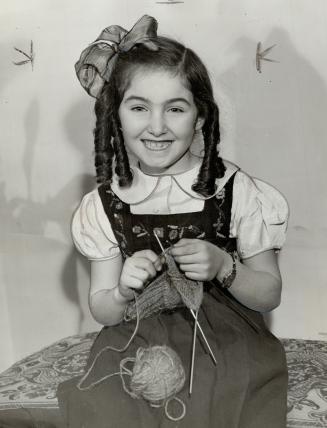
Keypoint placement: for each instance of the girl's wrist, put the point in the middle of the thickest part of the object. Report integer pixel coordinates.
(226, 268)
(121, 298)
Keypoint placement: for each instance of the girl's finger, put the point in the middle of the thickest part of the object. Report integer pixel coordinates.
(132, 282)
(193, 275)
(159, 263)
(182, 250)
(194, 268)
(191, 258)
(146, 265)
(138, 273)
(184, 241)
(148, 254)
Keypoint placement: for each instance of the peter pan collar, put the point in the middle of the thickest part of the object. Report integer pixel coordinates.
(144, 185)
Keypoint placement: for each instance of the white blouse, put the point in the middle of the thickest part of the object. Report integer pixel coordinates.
(258, 219)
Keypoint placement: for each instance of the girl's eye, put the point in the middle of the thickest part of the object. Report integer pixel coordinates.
(138, 108)
(176, 110)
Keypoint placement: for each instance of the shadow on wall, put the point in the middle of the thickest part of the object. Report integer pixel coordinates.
(280, 131)
(280, 121)
(77, 121)
(27, 219)
(7, 56)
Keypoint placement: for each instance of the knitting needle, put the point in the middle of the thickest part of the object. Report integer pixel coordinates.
(204, 338)
(192, 312)
(193, 351)
(159, 242)
(197, 324)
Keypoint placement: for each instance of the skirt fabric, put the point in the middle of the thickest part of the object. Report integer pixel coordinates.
(246, 389)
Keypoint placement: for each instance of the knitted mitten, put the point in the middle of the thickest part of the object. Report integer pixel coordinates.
(190, 291)
(168, 291)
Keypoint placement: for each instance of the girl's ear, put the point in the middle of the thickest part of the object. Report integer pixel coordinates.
(199, 123)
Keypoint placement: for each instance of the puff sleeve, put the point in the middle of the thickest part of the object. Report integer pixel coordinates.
(91, 230)
(259, 216)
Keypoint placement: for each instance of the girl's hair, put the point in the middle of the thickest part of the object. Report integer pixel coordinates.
(171, 56)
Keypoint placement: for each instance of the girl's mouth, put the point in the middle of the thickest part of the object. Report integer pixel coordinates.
(157, 146)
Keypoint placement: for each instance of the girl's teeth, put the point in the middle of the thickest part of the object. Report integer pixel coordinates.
(152, 145)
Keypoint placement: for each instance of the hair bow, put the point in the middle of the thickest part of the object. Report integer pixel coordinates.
(97, 61)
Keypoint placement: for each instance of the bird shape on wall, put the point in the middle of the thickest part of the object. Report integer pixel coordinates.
(30, 57)
(261, 56)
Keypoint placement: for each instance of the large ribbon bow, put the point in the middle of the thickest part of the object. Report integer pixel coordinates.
(96, 62)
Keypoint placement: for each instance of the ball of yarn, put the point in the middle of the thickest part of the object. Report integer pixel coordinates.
(158, 374)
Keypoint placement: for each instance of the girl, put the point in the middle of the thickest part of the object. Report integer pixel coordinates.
(154, 104)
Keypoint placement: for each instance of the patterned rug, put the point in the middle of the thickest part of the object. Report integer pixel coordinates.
(32, 382)
(307, 390)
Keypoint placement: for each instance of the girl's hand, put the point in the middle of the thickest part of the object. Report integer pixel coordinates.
(137, 271)
(198, 259)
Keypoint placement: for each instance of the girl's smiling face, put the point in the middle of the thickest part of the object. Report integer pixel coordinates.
(159, 118)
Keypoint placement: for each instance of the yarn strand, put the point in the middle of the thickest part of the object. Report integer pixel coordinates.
(174, 418)
(158, 373)
(109, 348)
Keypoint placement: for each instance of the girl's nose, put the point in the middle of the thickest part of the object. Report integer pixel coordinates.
(157, 125)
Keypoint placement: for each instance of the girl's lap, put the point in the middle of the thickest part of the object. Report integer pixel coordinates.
(246, 360)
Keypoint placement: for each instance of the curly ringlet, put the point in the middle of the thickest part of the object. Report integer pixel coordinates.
(179, 60)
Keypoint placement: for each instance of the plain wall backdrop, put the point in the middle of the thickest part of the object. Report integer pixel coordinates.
(273, 126)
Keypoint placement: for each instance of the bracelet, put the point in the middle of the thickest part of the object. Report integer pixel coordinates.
(229, 278)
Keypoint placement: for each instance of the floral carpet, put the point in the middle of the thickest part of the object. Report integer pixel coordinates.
(307, 389)
(32, 382)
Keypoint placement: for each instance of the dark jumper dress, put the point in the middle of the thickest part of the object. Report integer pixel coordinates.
(248, 386)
